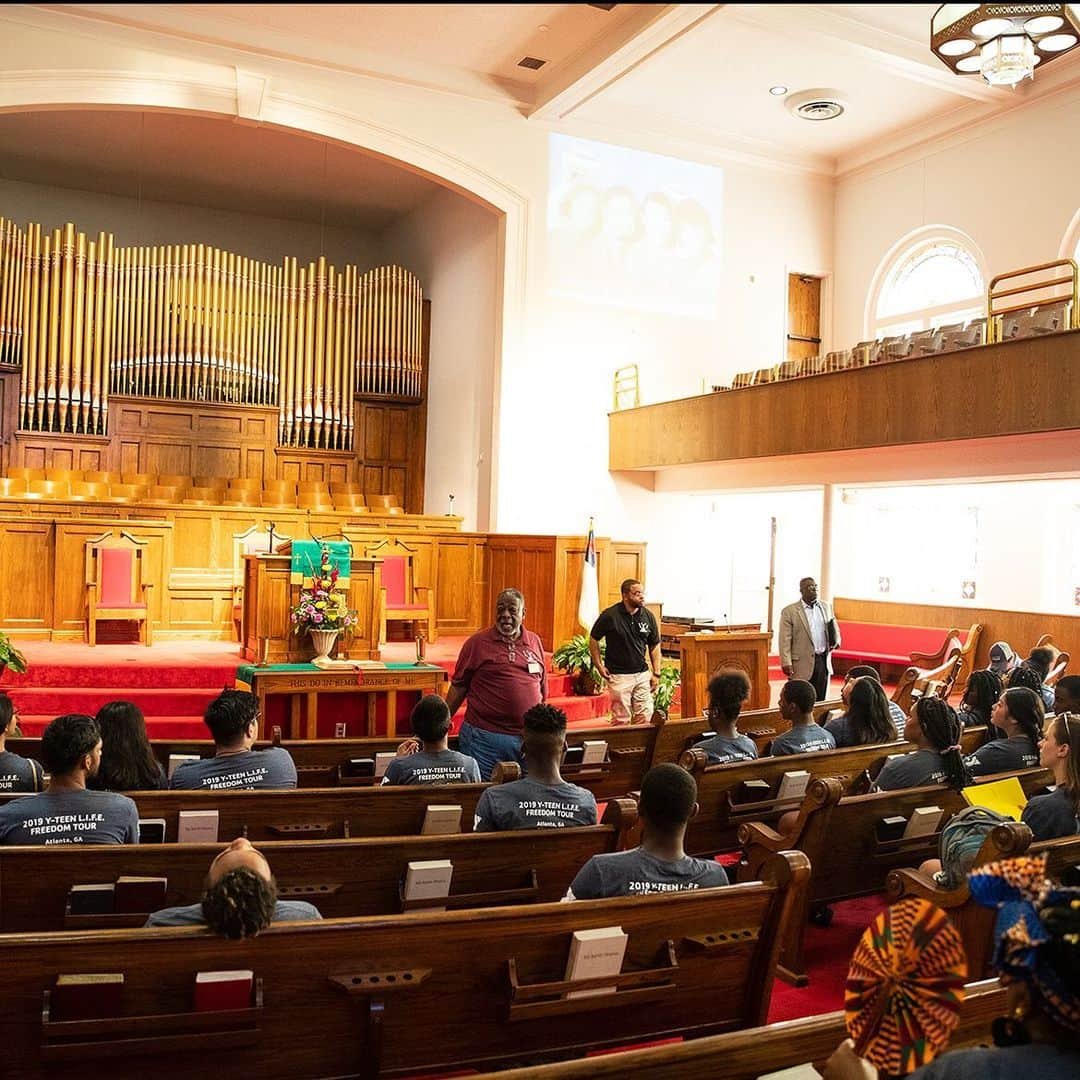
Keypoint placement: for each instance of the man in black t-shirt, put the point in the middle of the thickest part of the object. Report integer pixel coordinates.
(632, 662)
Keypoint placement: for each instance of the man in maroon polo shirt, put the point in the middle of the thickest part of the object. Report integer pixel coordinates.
(501, 674)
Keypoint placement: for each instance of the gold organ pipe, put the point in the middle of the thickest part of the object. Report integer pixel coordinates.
(308, 377)
(258, 331)
(45, 280)
(350, 356)
(339, 358)
(30, 350)
(318, 358)
(173, 346)
(101, 277)
(187, 317)
(77, 342)
(159, 356)
(293, 364)
(67, 296)
(55, 304)
(7, 275)
(198, 321)
(242, 376)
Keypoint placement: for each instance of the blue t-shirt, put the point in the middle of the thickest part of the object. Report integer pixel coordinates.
(722, 751)
(192, 914)
(252, 769)
(1003, 1063)
(20, 774)
(639, 873)
(802, 739)
(528, 804)
(1050, 816)
(70, 817)
(424, 767)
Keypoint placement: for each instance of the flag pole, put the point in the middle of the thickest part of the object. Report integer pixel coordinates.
(771, 587)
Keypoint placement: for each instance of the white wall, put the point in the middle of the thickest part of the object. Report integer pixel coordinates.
(145, 223)
(452, 245)
(1021, 547)
(1010, 184)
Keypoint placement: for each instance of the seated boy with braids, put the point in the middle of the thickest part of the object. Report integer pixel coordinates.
(239, 898)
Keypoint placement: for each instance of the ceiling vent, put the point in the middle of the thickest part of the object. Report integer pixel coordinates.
(531, 62)
(816, 104)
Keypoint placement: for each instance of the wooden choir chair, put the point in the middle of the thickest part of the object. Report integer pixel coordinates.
(953, 645)
(115, 583)
(939, 680)
(1059, 665)
(399, 599)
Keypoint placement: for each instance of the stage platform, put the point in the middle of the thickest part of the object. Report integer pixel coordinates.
(173, 682)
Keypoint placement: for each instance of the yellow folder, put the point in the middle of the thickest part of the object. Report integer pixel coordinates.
(1005, 796)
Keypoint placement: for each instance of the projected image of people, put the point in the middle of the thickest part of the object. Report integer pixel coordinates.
(634, 229)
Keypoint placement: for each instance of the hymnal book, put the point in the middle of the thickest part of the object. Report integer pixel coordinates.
(796, 1072)
(86, 997)
(793, 785)
(595, 752)
(361, 766)
(574, 755)
(176, 760)
(137, 894)
(704, 736)
(216, 990)
(924, 821)
(91, 899)
(197, 827)
(441, 820)
(594, 953)
(890, 828)
(1005, 796)
(429, 880)
(754, 791)
(152, 830)
(382, 761)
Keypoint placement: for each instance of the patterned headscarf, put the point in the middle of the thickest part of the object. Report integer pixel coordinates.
(1029, 909)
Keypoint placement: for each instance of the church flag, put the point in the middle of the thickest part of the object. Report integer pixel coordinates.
(589, 604)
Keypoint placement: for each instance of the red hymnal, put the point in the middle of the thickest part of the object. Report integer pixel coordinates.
(86, 997)
(216, 990)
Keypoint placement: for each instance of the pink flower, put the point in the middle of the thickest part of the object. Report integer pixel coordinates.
(317, 618)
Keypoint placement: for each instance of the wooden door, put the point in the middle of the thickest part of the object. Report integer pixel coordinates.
(804, 316)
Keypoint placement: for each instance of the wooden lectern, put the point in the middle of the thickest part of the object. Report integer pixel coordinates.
(703, 654)
(268, 595)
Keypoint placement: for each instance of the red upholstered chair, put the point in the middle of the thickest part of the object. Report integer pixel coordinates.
(115, 585)
(399, 599)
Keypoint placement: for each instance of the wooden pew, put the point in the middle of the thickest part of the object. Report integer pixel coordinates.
(340, 877)
(746, 1055)
(376, 996)
(839, 837)
(311, 813)
(975, 922)
(321, 762)
(632, 749)
(723, 807)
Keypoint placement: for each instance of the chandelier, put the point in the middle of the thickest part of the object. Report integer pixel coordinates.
(1002, 42)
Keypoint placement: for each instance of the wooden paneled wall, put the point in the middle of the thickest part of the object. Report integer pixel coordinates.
(191, 561)
(1012, 388)
(548, 571)
(1021, 629)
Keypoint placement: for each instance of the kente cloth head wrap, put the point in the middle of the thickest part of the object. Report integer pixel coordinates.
(1028, 909)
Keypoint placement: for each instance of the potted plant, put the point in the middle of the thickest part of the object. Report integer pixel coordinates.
(10, 657)
(573, 657)
(669, 678)
(322, 610)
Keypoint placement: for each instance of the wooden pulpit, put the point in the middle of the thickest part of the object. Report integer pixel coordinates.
(269, 594)
(703, 654)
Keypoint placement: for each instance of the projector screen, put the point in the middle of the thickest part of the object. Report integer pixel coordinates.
(634, 229)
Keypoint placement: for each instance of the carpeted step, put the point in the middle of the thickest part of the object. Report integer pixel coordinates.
(157, 727)
(125, 674)
(165, 701)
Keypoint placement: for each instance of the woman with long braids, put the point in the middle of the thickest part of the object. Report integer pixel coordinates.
(1058, 814)
(1019, 714)
(934, 728)
(982, 690)
(867, 719)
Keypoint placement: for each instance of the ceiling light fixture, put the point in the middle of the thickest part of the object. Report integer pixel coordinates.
(1010, 39)
(816, 105)
(778, 91)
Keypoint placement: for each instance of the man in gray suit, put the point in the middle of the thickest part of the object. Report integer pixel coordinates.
(808, 634)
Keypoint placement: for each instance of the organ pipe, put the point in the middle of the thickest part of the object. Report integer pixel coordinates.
(83, 318)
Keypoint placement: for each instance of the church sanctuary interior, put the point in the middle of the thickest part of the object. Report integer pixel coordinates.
(539, 539)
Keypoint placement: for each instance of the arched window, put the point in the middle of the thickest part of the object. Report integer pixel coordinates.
(930, 279)
(1070, 245)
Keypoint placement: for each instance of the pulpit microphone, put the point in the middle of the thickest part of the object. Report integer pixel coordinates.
(270, 542)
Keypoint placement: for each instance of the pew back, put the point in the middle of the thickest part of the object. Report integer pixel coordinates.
(411, 992)
(340, 877)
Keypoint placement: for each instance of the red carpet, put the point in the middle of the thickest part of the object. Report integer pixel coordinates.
(828, 952)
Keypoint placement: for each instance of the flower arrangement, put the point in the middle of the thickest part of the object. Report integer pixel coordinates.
(323, 606)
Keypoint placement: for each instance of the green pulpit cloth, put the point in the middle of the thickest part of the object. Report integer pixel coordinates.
(307, 555)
